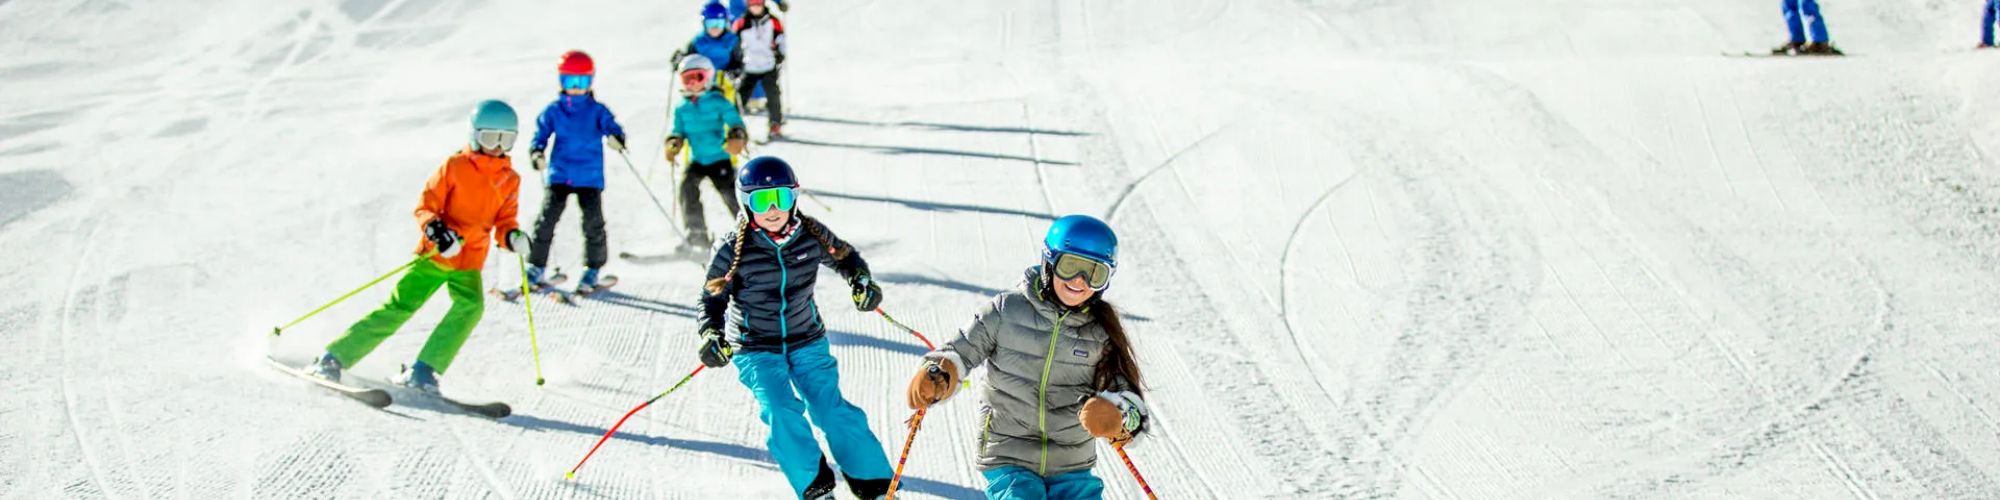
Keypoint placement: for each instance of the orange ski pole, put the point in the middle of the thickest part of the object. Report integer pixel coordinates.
(918, 419)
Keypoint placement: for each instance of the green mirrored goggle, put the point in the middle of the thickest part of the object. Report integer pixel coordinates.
(765, 200)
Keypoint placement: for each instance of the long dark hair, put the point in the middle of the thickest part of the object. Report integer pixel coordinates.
(1118, 361)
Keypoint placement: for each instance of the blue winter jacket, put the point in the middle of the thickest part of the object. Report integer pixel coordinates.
(704, 123)
(773, 287)
(579, 124)
(724, 52)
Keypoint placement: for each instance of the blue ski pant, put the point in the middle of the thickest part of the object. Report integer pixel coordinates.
(1986, 26)
(790, 384)
(1013, 482)
(1801, 14)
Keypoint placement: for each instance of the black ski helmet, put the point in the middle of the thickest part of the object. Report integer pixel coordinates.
(765, 172)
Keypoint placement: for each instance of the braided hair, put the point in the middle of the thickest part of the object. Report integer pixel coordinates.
(715, 286)
(813, 226)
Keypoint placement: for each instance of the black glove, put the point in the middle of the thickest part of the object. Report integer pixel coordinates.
(443, 237)
(538, 159)
(715, 350)
(867, 295)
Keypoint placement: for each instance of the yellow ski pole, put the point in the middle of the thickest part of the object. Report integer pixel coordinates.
(534, 347)
(280, 330)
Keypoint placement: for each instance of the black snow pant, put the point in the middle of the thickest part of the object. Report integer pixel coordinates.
(591, 200)
(722, 175)
(773, 98)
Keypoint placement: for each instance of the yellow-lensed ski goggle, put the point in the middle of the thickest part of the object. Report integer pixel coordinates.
(1096, 274)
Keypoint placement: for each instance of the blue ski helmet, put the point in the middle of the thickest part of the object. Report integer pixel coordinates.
(765, 172)
(1081, 235)
(492, 114)
(714, 11)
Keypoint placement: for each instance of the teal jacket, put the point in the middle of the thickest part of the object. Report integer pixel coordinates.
(704, 123)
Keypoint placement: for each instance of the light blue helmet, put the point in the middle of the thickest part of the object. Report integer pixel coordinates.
(1081, 235)
(492, 114)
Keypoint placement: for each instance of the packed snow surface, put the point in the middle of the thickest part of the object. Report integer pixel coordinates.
(1452, 249)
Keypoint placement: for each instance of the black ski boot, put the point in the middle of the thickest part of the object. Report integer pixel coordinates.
(868, 489)
(1820, 49)
(1787, 49)
(822, 485)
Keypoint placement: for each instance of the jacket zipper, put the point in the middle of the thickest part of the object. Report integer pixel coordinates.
(1043, 403)
(784, 297)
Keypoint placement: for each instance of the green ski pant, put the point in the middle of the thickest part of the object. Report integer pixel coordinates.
(468, 303)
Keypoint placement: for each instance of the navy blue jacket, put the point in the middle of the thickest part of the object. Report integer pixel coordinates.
(579, 124)
(774, 302)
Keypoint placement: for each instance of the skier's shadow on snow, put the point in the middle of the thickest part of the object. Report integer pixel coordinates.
(944, 127)
(838, 337)
(929, 206)
(735, 451)
(908, 150)
(615, 298)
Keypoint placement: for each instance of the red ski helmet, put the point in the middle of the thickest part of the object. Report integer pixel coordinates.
(576, 62)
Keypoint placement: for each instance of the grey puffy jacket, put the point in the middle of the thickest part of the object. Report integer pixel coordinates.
(1038, 376)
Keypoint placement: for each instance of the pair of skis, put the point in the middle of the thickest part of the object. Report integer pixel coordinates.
(551, 288)
(379, 398)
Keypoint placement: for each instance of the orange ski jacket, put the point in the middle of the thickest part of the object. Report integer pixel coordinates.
(477, 196)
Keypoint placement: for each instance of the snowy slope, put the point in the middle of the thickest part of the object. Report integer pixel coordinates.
(1374, 248)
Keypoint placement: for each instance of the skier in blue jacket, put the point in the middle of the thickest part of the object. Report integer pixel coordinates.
(1986, 26)
(767, 269)
(1802, 18)
(716, 42)
(709, 124)
(581, 128)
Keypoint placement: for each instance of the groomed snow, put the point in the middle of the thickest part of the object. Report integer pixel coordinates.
(1447, 249)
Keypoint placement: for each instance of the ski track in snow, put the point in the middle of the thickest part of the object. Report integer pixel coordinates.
(1450, 249)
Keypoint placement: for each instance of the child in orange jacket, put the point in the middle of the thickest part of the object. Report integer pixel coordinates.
(467, 202)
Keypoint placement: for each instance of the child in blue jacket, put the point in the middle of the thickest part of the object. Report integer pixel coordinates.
(1802, 18)
(708, 123)
(582, 128)
(1986, 26)
(716, 42)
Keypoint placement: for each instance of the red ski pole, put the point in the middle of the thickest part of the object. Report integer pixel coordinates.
(915, 421)
(1135, 471)
(571, 475)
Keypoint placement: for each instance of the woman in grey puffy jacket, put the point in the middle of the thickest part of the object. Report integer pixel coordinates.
(1060, 370)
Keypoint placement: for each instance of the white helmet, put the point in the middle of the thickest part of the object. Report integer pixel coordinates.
(697, 63)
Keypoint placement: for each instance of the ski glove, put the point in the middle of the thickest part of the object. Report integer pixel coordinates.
(784, 7)
(1116, 416)
(538, 159)
(934, 383)
(715, 350)
(736, 141)
(617, 143)
(674, 150)
(867, 295)
(443, 237)
(517, 241)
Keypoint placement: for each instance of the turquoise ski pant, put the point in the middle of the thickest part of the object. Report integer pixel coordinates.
(1013, 482)
(792, 383)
